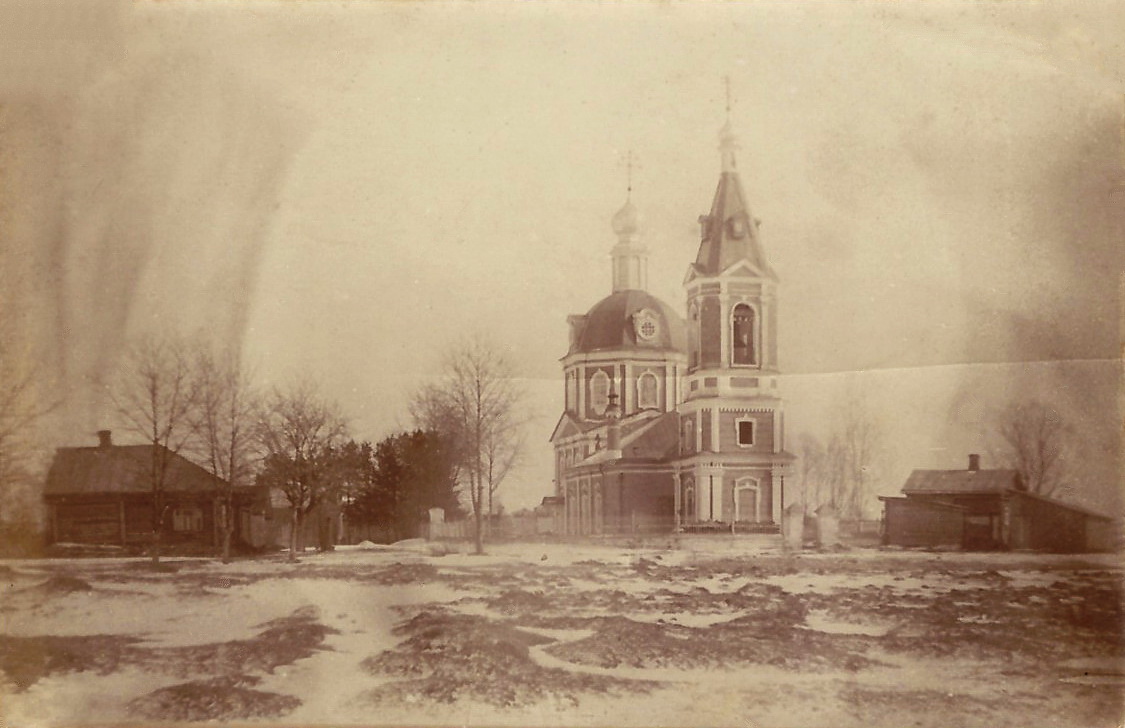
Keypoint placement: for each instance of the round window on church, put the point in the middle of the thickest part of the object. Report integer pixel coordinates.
(646, 325)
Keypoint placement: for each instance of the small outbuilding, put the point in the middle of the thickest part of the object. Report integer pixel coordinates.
(977, 509)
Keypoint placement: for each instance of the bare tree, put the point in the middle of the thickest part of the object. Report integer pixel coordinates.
(23, 404)
(155, 398)
(1035, 440)
(477, 405)
(300, 432)
(854, 455)
(227, 415)
(811, 460)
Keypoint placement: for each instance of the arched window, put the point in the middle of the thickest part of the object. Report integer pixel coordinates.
(744, 335)
(599, 392)
(647, 391)
(571, 392)
(688, 513)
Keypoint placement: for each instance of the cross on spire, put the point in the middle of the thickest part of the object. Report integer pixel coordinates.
(726, 83)
(630, 165)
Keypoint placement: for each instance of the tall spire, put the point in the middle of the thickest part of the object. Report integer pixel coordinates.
(728, 142)
(729, 232)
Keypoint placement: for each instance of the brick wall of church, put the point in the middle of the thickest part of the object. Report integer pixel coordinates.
(763, 431)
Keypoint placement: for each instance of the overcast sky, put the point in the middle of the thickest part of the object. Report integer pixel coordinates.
(343, 189)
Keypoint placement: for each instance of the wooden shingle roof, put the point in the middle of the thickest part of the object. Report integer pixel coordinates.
(120, 469)
(963, 482)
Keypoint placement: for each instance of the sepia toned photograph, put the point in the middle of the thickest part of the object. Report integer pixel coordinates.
(480, 363)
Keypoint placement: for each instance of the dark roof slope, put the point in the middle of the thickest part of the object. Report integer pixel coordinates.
(610, 325)
(730, 232)
(960, 481)
(659, 441)
(1062, 504)
(120, 469)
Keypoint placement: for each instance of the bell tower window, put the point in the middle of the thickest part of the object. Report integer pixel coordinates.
(745, 432)
(744, 335)
(599, 392)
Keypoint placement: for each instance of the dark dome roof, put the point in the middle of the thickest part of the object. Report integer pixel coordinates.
(613, 321)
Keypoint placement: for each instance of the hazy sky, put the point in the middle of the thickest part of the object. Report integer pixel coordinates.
(345, 188)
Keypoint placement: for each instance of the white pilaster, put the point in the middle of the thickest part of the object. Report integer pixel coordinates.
(581, 371)
(628, 402)
(775, 494)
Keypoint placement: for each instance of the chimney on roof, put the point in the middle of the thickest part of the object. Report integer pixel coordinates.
(974, 462)
(104, 438)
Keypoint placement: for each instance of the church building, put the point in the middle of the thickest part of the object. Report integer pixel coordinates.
(675, 423)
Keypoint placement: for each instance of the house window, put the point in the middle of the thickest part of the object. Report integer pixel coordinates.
(745, 432)
(571, 392)
(187, 518)
(744, 331)
(689, 502)
(647, 388)
(599, 392)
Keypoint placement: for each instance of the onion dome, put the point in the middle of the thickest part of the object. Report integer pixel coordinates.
(627, 221)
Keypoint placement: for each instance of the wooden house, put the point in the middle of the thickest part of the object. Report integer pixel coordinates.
(104, 495)
(977, 509)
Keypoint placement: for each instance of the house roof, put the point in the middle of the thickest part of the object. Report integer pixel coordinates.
(961, 482)
(1061, 504)
(120, 469)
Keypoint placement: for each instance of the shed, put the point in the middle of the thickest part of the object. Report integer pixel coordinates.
(1044, 524)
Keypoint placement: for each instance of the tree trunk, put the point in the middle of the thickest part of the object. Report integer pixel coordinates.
(294, 527)
(226, 545)
(479, 536)
(227, 530)
(157, 533)
(155, 545)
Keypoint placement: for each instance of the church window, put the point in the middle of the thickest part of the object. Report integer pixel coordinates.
(744, 329)
(647, 388)
(745, 432)
(599, 392)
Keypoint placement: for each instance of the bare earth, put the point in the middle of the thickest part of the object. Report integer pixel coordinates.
(710, 633)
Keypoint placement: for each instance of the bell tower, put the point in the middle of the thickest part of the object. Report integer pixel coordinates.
(732, 434)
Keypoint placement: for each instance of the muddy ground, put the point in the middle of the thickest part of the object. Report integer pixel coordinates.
(568, 635)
